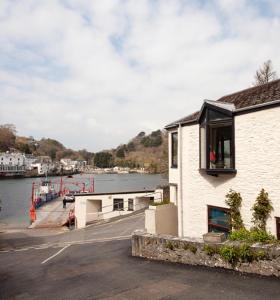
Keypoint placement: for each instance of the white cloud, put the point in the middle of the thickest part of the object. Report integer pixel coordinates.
(92, 74)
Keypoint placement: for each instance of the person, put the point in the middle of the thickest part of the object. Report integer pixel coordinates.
(64, 203)
(212, 158)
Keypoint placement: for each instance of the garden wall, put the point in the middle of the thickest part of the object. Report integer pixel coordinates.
(258, 259)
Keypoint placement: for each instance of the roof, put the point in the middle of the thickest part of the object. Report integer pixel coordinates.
(248, 98)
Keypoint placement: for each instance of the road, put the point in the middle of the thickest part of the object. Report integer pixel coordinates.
(96, 263)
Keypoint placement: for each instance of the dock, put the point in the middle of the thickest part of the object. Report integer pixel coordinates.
(52, 214)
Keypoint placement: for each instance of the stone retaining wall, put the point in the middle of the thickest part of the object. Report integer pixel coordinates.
(186, 251)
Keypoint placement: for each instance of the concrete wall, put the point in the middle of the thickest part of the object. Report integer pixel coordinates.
(86, 204)
(162, 219)
(257, 147)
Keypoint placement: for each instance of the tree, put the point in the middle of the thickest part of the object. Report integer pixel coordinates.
(265, 74)
(234, 201)
(261, 210)
(103, 160)
(120, 152)
(7, 136)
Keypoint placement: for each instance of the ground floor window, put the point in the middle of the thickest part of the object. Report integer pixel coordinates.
(118, 204)
(130, 205)
(218, 219)
(278, 228)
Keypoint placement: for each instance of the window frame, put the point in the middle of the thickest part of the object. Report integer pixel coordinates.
(174, 166)
(208, 123)
(129, 200)
(118, 209)
(224, 209)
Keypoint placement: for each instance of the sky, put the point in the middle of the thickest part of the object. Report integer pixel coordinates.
(94, 73)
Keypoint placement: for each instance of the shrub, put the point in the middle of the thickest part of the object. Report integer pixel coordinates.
(251, 236)
(190, 247)
(245, 253)
(229, 254)
(261, 210)
(169, 245)
(261, 236)
(165, 201)
(234, 200)
(239, 235)
(209, 250)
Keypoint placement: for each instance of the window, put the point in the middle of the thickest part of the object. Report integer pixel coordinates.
(130, 205)
(118, 204)
(174, 149)
(217, 142)
(218, 219)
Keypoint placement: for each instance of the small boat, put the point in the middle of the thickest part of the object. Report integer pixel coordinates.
(70, 176)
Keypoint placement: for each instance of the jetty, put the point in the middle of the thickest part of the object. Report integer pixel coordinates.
(52, 214)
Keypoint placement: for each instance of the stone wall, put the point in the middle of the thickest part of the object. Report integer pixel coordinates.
(187, 251)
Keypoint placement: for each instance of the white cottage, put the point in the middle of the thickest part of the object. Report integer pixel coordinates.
(231, 143)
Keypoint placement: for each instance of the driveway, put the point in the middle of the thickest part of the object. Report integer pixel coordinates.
(96, 263)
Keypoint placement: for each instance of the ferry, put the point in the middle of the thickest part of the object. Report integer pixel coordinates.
(45, 193)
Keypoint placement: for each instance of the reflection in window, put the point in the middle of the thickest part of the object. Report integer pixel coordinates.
(216, 141)
(220, 153)
(218, 219)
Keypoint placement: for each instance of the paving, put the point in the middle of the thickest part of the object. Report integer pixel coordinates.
(96, 263)
(52, 214)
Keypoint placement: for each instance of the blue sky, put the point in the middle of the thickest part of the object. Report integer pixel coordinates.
(93, 74)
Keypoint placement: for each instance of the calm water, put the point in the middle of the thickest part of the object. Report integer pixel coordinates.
(15, 194)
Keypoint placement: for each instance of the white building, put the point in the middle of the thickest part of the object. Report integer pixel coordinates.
(92, 207)
(12, 163)
(69, 164)
(29, 160)
(231, 143)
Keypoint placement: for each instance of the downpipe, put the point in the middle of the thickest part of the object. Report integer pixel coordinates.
(181, 179)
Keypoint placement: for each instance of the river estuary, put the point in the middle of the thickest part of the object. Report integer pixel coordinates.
(15, 194)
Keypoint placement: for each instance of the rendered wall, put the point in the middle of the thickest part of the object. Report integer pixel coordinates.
(162, 219)
(257, 156)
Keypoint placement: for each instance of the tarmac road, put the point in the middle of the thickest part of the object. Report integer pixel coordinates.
(96, 263)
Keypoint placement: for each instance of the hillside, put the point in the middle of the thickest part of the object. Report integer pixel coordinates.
(148, 151)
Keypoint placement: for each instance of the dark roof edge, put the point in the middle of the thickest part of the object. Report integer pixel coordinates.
(239, 111)
(257, 107)
(115, 193)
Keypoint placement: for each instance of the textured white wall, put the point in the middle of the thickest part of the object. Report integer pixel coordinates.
(257, 146)
(83, 211)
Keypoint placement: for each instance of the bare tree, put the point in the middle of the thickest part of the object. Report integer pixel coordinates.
(265, 74)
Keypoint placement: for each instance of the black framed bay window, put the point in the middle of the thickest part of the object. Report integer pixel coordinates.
(174, 149)
(217, 153)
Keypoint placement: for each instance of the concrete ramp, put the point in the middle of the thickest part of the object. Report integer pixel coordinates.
(52, 214)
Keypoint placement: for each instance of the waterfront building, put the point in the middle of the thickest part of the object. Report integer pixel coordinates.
(12, 164)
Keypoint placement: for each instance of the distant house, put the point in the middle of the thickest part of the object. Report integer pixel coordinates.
(12, 163)
(231, 143)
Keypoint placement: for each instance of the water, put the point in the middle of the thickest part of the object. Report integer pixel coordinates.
(15, 194)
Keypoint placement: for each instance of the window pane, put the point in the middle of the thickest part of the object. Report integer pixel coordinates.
(218, 220)
(215, 115)
(203, 147)
(174, 149)
(220, 148)
(118, 204)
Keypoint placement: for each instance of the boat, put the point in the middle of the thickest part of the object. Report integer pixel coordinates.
(45, 193)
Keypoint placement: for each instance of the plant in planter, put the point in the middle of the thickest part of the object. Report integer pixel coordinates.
(234, 201)
(261, 211)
